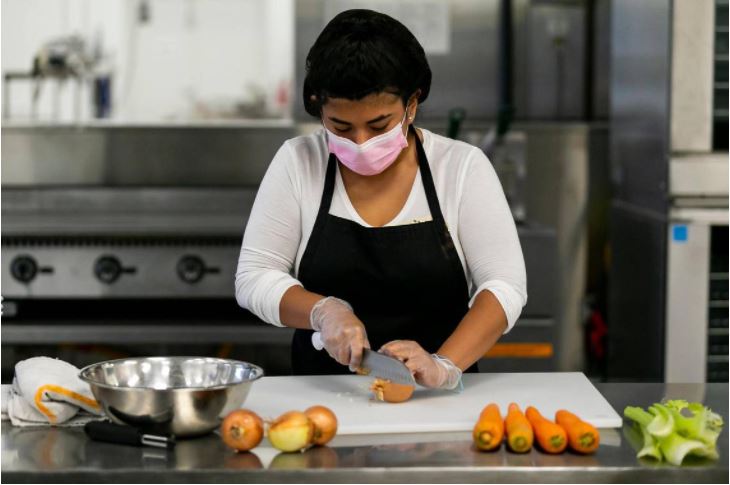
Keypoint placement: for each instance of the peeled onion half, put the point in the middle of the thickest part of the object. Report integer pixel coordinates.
(292, 431)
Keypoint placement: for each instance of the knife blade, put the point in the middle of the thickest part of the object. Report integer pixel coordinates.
(377, 364)
(384, 367)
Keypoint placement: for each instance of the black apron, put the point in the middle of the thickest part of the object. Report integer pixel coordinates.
(403, 282)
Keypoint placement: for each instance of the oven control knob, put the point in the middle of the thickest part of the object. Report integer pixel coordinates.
(24, 269)
(191, 269)
(108, 269)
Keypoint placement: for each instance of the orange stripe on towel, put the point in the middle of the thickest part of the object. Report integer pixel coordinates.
(60, 390)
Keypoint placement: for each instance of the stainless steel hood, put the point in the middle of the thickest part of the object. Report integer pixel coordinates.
(129, 211)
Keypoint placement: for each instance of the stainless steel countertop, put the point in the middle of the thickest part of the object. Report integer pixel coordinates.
(65, 455)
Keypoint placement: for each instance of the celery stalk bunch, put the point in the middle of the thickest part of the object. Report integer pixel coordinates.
(674, 429)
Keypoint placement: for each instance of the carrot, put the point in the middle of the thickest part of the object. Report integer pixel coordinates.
(550, 436)
(582, 437)
(489, 430)
(490, 411)
(519, 430)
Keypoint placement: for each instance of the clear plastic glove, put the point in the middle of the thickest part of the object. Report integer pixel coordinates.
(342, 333)
(429, 370)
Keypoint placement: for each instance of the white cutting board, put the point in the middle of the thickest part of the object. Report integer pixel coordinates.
(428, 410)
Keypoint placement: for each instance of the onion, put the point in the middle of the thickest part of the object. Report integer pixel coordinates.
(242, 430)
(387, 391)
(325, 424)
(292, 431)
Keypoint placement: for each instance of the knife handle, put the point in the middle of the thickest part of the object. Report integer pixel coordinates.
(126, 435)
(317, 341)
(113, 433)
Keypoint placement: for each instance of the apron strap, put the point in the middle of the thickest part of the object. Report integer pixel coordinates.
(329, 187)
(324, 209)
(428, 186)
(442, 230)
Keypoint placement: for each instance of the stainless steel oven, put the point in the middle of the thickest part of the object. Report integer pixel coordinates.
(668, 310)
(697, 271)
(126, 238)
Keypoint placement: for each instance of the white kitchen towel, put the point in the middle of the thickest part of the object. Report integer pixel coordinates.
(48, 391)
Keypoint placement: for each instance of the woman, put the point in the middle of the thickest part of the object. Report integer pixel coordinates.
(377, 234)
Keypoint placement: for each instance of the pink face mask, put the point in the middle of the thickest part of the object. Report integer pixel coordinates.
(373, 156)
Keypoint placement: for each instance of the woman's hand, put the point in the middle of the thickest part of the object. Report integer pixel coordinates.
(343, 334)
(429, 370)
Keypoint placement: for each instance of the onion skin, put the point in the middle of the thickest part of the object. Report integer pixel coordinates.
(392, 392)
(242, 430)
(292, 431)
(325, 424)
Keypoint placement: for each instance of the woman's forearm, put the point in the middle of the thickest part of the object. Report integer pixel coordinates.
(296, 305)
(477, 332)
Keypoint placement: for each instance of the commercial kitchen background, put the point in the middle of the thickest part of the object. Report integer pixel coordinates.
(135, 133)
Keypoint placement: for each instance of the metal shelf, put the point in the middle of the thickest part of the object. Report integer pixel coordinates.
(717, 359)
(194, 331)
(120, 333)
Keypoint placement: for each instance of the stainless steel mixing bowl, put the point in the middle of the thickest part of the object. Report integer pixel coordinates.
(185, 396)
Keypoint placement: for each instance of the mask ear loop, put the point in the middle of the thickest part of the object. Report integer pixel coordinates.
(407, 125)
(410, 118)
(413, 115)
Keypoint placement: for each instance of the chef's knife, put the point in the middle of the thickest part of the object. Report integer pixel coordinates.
(126, 435)
(377, 364)
(384, 367)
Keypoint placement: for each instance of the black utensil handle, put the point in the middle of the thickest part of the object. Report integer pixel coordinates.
(113, 433)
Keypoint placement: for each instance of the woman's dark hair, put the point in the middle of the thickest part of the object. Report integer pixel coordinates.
(361, 52)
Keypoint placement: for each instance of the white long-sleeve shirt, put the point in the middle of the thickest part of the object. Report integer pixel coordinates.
(471, 198)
